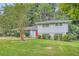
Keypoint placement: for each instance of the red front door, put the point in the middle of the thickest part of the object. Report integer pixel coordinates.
(36, 34)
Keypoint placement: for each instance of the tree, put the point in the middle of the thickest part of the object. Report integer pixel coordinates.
(32, 14)
(6, 22)
(70, 9)
(16, 16)
(41, 12)
(45, 12)
(60, 16)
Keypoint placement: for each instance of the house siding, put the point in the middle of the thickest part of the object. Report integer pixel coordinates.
(53, 29)
(33, 34)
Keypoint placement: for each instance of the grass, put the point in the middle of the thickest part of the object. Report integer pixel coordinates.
(30, 48)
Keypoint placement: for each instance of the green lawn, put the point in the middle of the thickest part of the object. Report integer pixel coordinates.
(30, 48)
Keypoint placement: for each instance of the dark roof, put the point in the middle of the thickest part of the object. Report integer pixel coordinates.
(54, 21)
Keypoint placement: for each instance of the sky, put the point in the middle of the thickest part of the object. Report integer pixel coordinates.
(1, 4)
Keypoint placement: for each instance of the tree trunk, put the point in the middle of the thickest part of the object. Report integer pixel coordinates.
(22, 35)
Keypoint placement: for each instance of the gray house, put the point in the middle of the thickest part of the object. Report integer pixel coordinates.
(1, 11)
(49, 27)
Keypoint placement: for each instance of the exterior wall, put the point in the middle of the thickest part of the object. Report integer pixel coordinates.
(1, 12)
(53, 29)
(33, 34)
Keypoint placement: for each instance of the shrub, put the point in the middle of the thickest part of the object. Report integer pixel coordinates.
(66, 37)
(69, 37)
(60, 37)
(72, 37)
(39, 36)
(46, 36)
(26, 34)
(17, 34)
(78, 37)
(43, 36)
(1, 34)
(55, 37)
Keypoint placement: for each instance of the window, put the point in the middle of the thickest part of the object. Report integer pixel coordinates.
(45, 25)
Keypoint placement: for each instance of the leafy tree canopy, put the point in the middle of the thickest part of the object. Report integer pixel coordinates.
(71, 9)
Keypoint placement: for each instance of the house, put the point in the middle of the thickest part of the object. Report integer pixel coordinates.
(1, 12)
(50, 27)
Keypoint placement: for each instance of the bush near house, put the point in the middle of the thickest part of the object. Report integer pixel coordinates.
(72, 37)
(1, 34)
(69, 37)
(66, 37)
(39, 37)
(55, 36)
(27, 34)
(48, 36)
(60, 36)
(44, 36)
(17, 34)
(12, 33)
